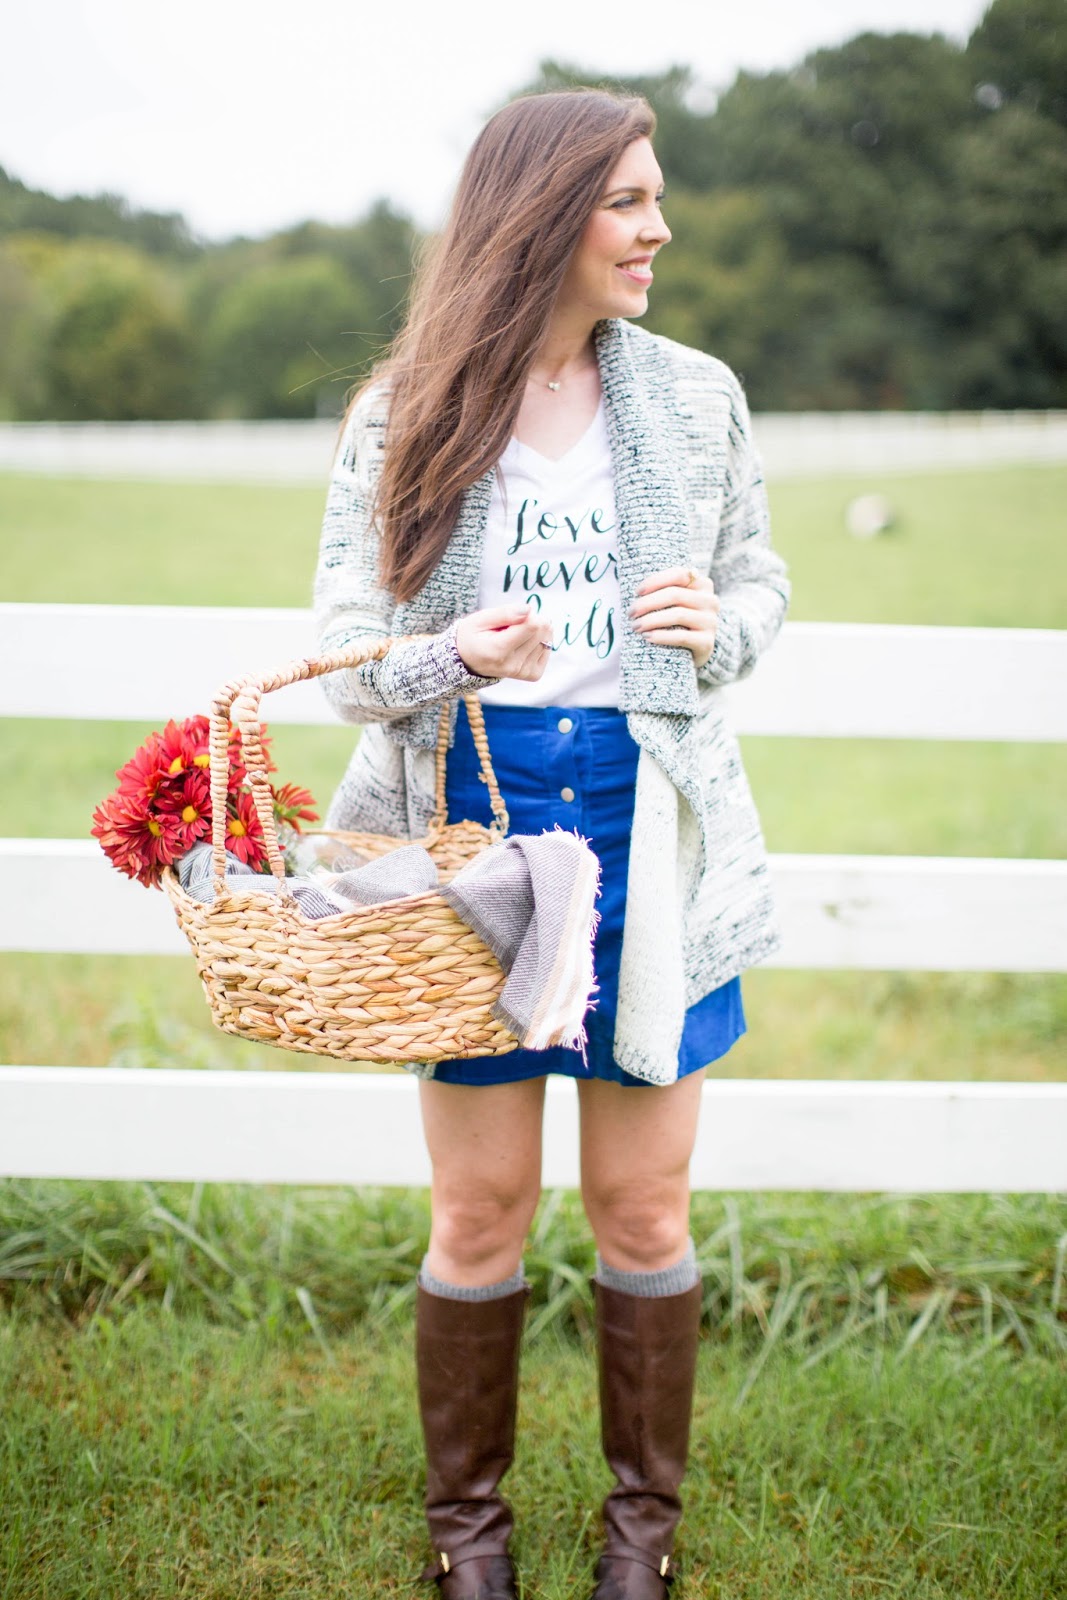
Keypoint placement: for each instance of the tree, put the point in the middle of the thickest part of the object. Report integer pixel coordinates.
(282, 341)
(840, 145)
(117, 344)
(23, 314)
(376, 254)
(1019, 50)
(684, 135)
(1003, 249)
(102, 216)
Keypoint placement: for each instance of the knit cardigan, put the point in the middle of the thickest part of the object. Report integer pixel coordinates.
(689, 491)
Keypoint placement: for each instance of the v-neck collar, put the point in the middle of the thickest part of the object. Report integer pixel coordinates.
(555, 463)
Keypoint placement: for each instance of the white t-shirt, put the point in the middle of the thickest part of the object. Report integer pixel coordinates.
(550, 543)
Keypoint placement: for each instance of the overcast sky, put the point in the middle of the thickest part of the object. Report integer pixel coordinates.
(249, 116)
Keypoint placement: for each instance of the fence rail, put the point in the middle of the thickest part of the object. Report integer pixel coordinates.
(905, 912)
(793, 445)
(353, 1128)
(822, 679)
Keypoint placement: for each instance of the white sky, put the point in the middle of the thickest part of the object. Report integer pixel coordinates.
(249, 116)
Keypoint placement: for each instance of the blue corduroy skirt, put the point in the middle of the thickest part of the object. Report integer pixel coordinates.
(575, 767)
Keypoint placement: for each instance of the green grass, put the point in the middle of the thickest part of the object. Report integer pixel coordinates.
(803, 1271)
(912, 797)
(208, 1392)
(978, 549)
(967, 548)
(153, 1457)
(969, 1026)
(97, 542)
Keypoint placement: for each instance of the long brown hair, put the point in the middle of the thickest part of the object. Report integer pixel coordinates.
(480, 308)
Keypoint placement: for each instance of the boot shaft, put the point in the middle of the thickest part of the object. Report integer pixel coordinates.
(467, 1363)
(647, 1349)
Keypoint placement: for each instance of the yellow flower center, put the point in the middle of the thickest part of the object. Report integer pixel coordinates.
(189, 814)
(202, 760)
(176, 765)
(154, 829)
(237, 828)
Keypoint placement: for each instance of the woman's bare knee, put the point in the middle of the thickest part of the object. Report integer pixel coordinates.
(637, 1231)
(477, 1237)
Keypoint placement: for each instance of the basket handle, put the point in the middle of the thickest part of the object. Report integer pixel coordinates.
(499, 825)
(238, 702)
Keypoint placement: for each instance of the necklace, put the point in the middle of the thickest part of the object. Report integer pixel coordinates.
(555, 384)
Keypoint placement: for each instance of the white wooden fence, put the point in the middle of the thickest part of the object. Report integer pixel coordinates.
(794, 444)
(895, 912)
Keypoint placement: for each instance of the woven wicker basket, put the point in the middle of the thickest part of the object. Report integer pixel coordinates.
(405, 980)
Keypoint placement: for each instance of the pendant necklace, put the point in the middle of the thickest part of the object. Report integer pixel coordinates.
(555, 384)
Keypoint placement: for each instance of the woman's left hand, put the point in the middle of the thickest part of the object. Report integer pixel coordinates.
(678, 607)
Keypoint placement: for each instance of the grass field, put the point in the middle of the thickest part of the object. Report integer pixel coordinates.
(207, 1392)
(156, 1459)
(967, 547)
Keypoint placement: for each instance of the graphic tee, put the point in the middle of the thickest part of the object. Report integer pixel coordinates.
(550, 543)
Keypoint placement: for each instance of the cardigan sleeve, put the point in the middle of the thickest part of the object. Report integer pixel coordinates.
(749, 576)
(351, 604)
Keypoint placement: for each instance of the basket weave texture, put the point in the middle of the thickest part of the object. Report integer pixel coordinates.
(405, 980)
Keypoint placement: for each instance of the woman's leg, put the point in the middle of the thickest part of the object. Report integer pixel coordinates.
(636, 1144)
(485, 1145)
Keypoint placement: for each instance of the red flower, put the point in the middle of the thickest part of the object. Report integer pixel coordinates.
(293, 805)
(162, 805)
(244, 832)
(139, 843)
(185, 746)
(188, 803)
(142, 775)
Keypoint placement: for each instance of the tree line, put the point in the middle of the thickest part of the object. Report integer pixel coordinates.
(883, 226)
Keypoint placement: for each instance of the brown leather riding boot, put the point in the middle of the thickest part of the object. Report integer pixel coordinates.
(647, 1354)
(467, 1356)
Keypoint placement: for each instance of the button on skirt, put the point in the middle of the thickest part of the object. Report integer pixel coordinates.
(575, 766)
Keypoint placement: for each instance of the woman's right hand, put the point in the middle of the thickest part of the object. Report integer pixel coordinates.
(504, 642)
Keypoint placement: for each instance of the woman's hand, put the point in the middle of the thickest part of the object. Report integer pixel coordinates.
(678, 607)
(504, 642)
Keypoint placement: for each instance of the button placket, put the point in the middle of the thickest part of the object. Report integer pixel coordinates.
(564, 775)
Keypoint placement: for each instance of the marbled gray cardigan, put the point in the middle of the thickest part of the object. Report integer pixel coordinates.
(689, 490)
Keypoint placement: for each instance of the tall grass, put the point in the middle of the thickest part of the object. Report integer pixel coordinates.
(804, 1272)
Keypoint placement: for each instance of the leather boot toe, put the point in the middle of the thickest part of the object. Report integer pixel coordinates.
(619, 1579)
(480, 1578)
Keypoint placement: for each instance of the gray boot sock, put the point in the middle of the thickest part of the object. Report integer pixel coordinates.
(669, 1280)
(463, 1291)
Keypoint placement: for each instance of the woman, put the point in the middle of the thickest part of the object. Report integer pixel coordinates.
(569, 514)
